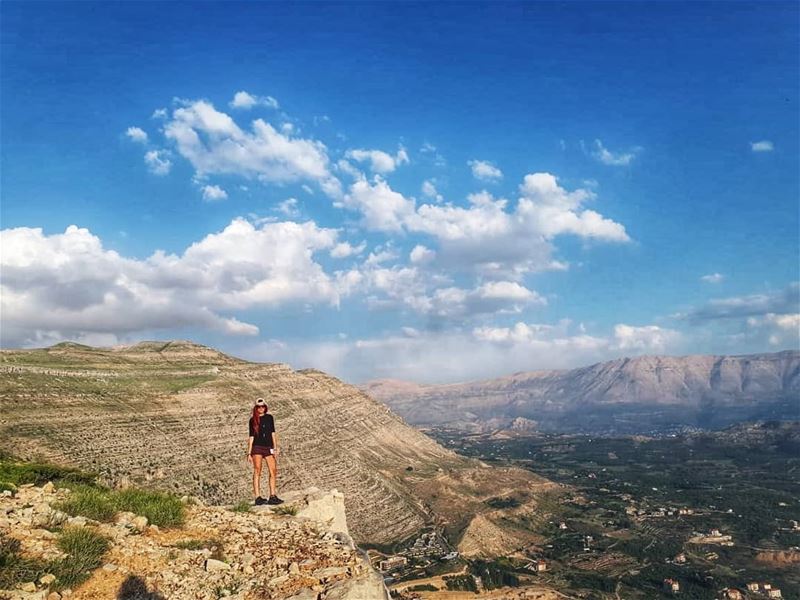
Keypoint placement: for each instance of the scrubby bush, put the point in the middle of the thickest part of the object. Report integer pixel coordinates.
(85, 549)
(16, 568)
(89, 501)
(162, 509)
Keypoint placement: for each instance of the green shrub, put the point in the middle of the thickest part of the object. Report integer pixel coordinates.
(15, 568)
(19, 473)
(90, 502)
(285, 510)
(241, 507)
(85, 549)
(162, 509)
(495, 574)
(423, 587)
(461, 583)
(506, 502)
(7, 485)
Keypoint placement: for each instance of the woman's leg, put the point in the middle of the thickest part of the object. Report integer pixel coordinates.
(272, 465)
(257, 474)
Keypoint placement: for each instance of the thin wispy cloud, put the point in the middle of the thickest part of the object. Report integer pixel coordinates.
(785, 301)
(713, 278)
(762, 146)
(615, 159)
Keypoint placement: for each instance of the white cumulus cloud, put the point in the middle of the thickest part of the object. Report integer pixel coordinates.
(486, 235)
(247, 101)
(382, 208)
(289, 207)
(212, 193)
(215, 145)
(421, 254)
(484, 170)
(346, 249)
(137, 134)
(644, 338)
(158, 162)
(380, 162)
(68, 285)
(430, 191)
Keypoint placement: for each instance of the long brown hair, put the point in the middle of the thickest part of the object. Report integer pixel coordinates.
(255, 419)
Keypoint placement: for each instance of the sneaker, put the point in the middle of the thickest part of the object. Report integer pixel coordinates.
(274, 500)
(259, 501)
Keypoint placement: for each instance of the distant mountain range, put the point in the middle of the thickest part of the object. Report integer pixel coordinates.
(627, 395)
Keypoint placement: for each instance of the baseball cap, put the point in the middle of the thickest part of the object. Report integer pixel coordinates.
(260, 402)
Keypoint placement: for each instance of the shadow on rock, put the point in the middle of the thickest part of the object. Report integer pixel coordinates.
(134, 588)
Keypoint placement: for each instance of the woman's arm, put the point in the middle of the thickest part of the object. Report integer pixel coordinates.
(250, 447)
(275, 441)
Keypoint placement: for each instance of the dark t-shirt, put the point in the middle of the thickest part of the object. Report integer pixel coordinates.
(266, 427)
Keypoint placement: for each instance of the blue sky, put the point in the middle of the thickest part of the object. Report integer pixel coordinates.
(435, 192)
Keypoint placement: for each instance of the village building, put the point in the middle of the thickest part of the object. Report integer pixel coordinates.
(774, 593)
(537, 566)
(392, 563)
(752, 586)
(672, 586)
(680, 558)
(733, 594)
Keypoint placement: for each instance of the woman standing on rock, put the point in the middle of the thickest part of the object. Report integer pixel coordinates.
(263, 445)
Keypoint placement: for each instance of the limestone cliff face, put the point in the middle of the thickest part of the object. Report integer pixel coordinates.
(174, 416)
(648, 390)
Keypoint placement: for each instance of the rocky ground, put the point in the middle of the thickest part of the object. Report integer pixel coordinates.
(267, 554)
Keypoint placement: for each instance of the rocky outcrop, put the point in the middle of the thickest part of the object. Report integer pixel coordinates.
(268, 554)
(628, 394)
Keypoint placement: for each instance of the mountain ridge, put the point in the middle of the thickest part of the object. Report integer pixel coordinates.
(556, 398)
